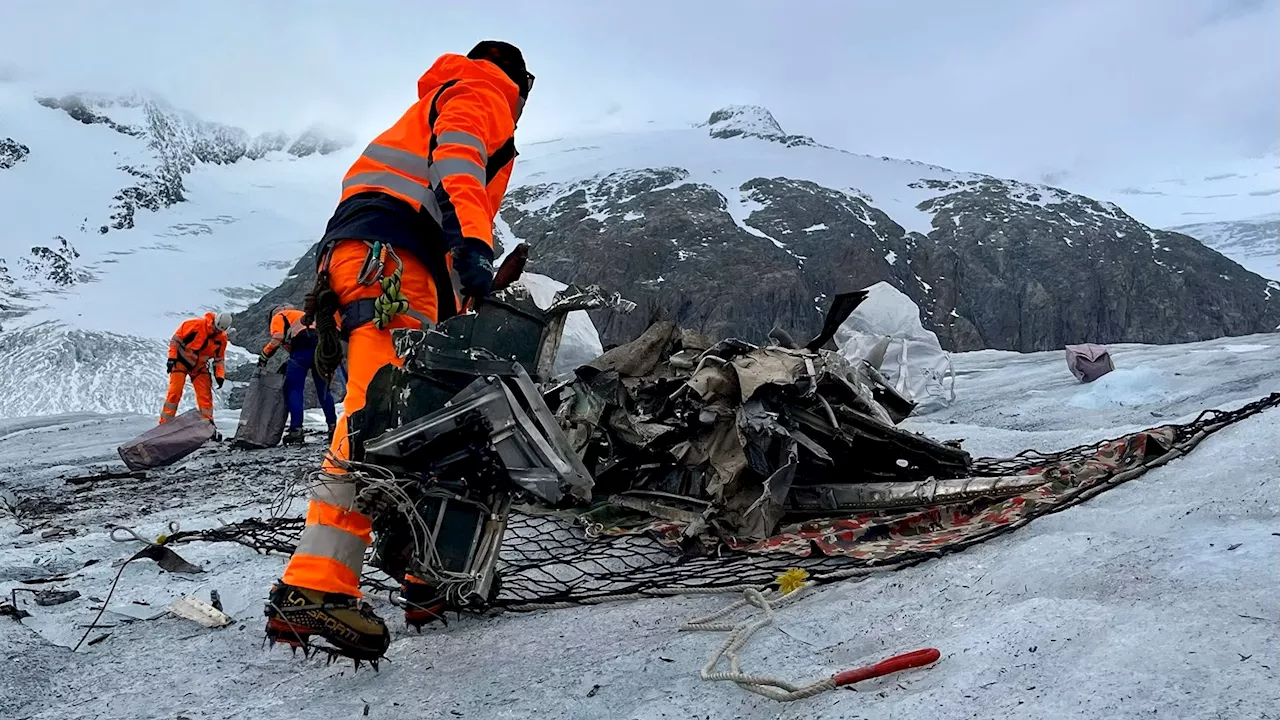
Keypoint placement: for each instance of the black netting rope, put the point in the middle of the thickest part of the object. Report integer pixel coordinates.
(552, 561)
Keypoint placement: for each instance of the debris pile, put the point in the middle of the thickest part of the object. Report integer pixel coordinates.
(733, 437)
(727, 438)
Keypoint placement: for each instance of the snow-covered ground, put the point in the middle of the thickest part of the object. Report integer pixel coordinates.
(1156, 599)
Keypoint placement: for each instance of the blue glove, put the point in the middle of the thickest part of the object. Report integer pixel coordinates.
(473, 261)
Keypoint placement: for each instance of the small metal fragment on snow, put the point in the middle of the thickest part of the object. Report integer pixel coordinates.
(46, 598)
(196, 610)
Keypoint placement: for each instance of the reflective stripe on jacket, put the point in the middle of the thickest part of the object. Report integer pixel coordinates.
(450, 155)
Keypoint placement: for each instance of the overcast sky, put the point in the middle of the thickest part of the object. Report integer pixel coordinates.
(1118, 90)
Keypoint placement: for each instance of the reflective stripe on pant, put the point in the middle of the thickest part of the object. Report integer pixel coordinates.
(329, 555)
(177, 383)
(295, 385)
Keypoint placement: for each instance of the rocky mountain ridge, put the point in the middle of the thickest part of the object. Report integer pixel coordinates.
(178, 140)
(158, 148)
(1001, 264)
(751, 228)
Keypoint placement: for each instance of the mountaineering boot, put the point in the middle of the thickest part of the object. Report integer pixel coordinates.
(293, 436)
(333, 427)
(423, 604)
(294, 614)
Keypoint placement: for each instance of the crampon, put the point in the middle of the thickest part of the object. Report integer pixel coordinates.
(350, 629)
(423, 604)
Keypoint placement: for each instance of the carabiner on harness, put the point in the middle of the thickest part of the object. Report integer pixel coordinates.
(375, 262)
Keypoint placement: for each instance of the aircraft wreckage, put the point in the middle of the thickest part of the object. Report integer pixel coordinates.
(728, 438)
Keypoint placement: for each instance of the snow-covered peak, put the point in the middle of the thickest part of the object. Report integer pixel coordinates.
(740, 120)
(124, 213)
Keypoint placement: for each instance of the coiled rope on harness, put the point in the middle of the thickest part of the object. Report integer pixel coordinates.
(322, 305)
(391, 302)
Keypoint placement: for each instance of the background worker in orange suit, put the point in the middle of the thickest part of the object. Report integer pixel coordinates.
(292, 330)
(196, 342)
(416, 211)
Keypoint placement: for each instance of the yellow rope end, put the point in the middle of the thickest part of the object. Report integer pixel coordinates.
(791, 580)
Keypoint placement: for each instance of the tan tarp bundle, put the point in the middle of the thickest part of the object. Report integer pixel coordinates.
(1089, 362)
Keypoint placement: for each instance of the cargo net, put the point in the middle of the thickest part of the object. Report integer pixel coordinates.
(559, 559)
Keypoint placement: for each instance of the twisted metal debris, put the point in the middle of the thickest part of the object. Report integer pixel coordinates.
(558, 559)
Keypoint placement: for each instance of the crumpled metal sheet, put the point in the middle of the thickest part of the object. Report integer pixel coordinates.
(773, 366)
(883, 495)
(641, 356)
(744, 427)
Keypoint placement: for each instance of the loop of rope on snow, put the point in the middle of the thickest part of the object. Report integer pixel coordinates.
(124, 534)
(793, 585)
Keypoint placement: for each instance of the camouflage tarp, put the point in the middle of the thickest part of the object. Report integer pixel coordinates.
(945, 523)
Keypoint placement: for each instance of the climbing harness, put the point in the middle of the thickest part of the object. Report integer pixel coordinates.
(792, 585)
(383, 309)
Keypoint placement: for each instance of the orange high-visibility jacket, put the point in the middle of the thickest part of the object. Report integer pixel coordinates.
(196, 342)
(450, 155)
(285, 326)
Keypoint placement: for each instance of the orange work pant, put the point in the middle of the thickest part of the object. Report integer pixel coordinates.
(177, 383)
(330, 553)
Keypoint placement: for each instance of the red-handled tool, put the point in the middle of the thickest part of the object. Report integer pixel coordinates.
(897, 663)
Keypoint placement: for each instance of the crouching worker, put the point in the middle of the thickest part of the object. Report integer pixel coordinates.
(417, 209)
(197, 342)
(291, 330)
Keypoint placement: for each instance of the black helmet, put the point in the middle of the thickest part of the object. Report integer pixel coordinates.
(508, 58)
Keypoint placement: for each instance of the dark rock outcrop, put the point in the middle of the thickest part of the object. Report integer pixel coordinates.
(12, 152)
(253, 324)
(751, 121)
(1006, 265)
(56, 264)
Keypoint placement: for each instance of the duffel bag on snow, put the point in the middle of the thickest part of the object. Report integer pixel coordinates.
(263, 416)
(167, 443)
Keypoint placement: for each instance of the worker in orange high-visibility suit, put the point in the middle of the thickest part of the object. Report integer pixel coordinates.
(197, 342)
(292, 330)
(416, 211)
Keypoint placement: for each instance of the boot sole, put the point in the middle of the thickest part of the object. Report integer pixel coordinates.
(297, 636)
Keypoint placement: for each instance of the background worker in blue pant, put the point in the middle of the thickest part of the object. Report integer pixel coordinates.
(290, 330)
